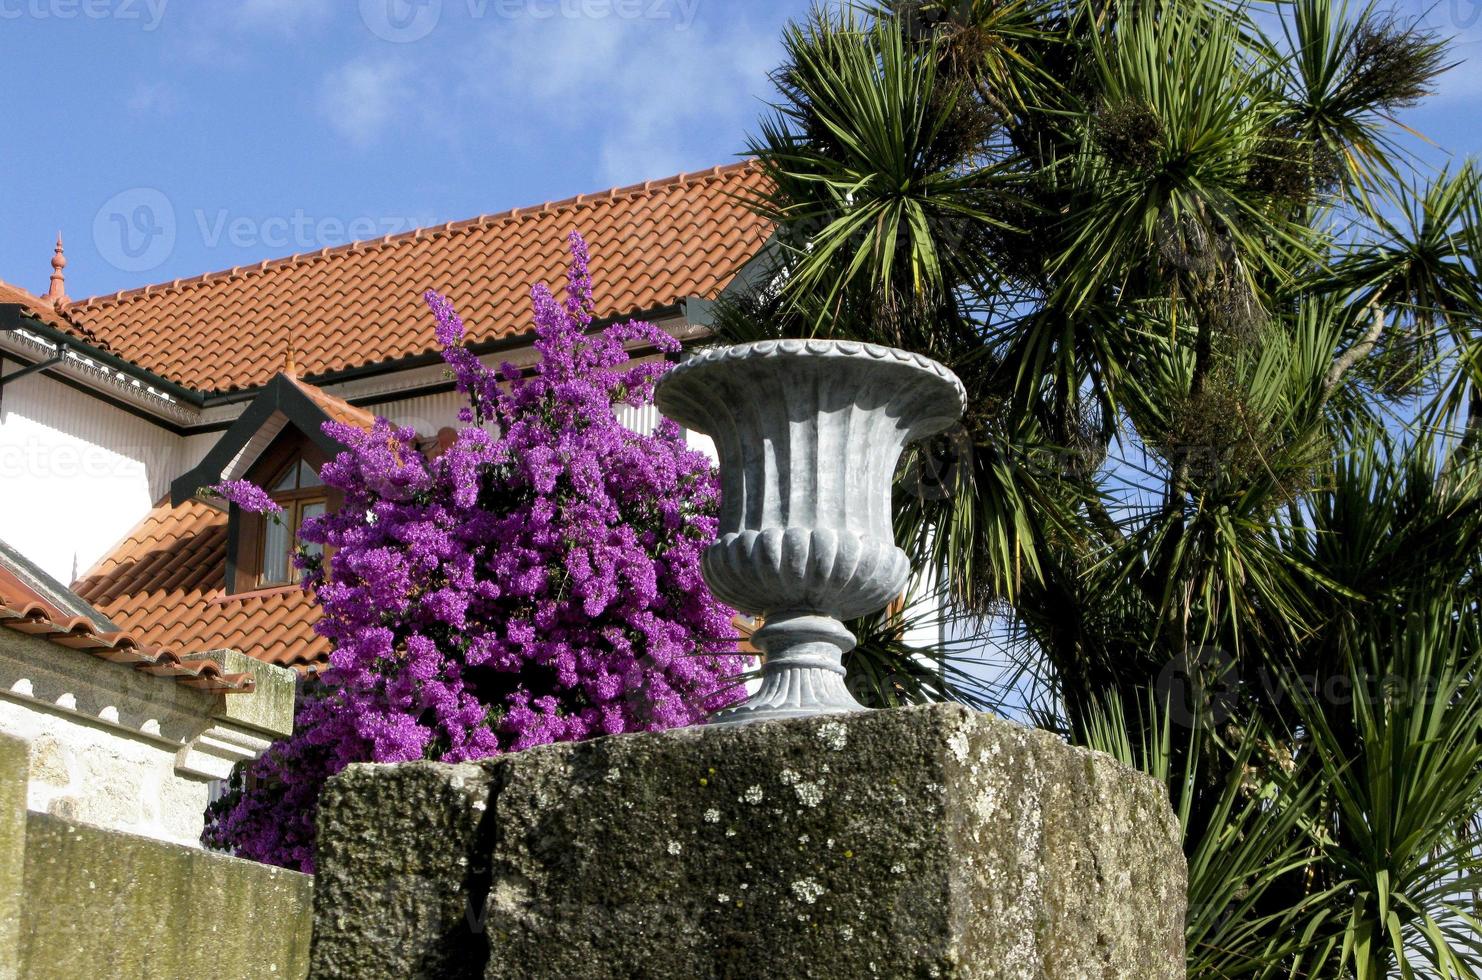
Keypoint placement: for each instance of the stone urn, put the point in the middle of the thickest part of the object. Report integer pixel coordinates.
(809, 433)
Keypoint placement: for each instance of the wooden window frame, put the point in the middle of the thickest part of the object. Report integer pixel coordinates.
(293, 502)
(247, 532)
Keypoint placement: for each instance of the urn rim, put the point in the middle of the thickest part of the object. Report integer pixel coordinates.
(702, 361)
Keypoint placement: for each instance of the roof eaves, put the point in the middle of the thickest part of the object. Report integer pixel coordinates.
(116, 646)
(281, 394)
(30, 578)
(15, 316)
(481, 348)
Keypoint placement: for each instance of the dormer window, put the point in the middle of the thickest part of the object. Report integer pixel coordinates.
(279, 444)
(260, 547)
(301, 494)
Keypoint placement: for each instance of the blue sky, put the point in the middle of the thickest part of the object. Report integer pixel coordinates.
(167, 138)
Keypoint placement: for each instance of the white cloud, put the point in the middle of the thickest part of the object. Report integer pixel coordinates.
(152, 98)
(643, 97)
(286, 16)
(362, 99)
(228, 34)
(1465, 80)
(645, 93)
(1459, 23)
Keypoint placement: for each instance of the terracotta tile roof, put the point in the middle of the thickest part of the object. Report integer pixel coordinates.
(49, 314)
(165, 582)
(25, 608)
(24, 581)
(653, 244)
(337, 409)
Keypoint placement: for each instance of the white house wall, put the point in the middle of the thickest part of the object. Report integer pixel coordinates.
(427, 413)
(75, 473)
(645, 419)
(193, 449)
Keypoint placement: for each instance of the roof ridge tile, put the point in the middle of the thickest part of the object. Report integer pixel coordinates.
(357, 305)
(612, 193)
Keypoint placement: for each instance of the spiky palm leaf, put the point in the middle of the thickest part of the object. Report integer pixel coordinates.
(1402, 760)
(1242, 831)
(1189, 275)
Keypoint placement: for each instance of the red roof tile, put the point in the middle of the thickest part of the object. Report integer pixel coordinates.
(337, 409)
(653, 244)
(26, 610)
(165, 583)
(49, 314)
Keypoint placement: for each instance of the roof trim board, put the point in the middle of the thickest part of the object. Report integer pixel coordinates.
(35, 604)
(30, 582)
(281, 394)
(120, 647)
(15, 316)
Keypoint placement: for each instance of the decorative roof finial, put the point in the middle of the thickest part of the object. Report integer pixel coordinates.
(290, 366)
(57, 293)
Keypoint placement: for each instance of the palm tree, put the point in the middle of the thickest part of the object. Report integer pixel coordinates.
(1220, 332)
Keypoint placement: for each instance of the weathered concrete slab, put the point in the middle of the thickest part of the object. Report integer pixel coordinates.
(99, 903)
(930, 842)
(14, 769)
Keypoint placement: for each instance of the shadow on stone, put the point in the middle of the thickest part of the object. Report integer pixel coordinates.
(462, 953)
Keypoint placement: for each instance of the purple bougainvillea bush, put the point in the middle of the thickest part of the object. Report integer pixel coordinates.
(539, 581)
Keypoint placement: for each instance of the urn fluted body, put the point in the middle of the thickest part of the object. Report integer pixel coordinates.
(809, 434)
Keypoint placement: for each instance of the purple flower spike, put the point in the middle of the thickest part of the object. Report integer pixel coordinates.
(248, 496)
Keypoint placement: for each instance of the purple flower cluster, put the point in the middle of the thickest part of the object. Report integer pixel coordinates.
(538, 581)
(248, 496)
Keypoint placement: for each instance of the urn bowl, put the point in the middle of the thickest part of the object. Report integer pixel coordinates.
(808, 433)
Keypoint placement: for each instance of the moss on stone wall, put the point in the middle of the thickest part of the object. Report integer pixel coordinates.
(919, 842)
(14, 766)
(98, 903)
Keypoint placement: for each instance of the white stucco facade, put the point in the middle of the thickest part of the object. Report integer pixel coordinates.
(75, 472)
(96, 470)
(117, 748)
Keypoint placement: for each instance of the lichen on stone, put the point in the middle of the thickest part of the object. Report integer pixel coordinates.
(809, 794)
(898, 869)
(807, 890)
(834, 735)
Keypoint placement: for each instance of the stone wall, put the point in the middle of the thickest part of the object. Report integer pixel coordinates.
(921, 842)
(81, 902)
(13, 763)
(86, 773)
(114, 747)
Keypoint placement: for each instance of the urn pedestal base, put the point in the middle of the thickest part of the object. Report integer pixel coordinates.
(914, 842)
(804, 672)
